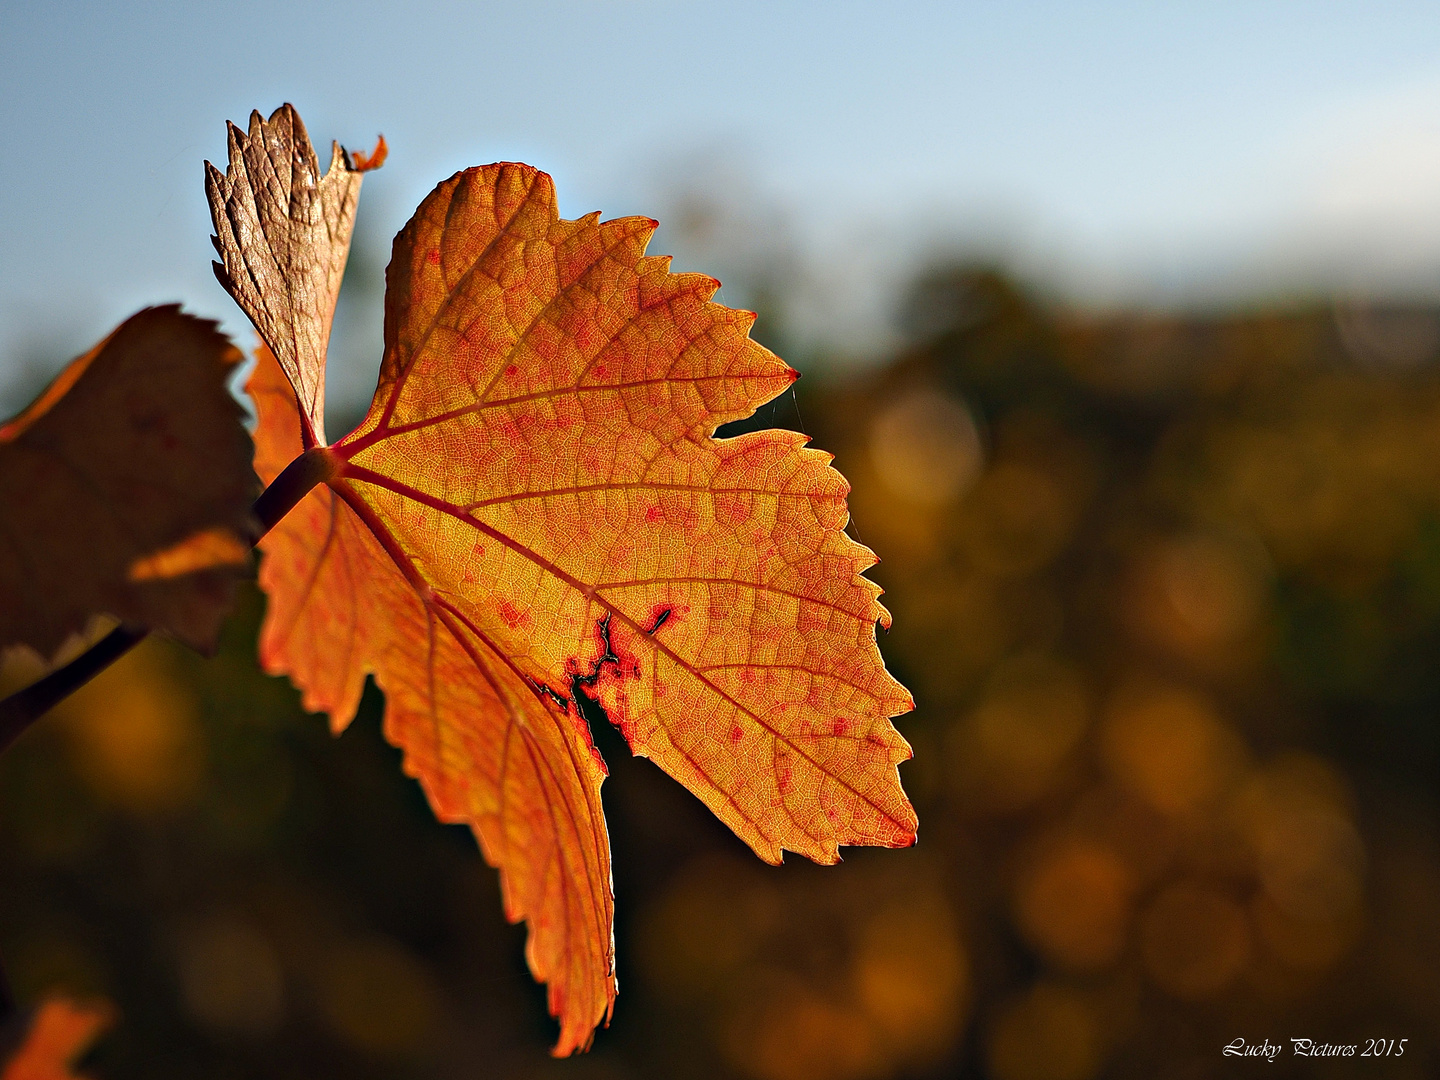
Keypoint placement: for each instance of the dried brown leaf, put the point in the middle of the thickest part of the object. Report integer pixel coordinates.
(125, 489)
(283, 235)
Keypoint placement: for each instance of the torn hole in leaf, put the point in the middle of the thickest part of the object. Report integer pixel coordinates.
(613, 665)
(581, 686)
(590, 710)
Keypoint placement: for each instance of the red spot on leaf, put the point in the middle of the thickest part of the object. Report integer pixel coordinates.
(783, 779)
(514, 616)
(433, 256)
(736, 734)
(662, 615)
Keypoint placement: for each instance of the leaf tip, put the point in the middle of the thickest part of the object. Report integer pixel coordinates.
(367, 162)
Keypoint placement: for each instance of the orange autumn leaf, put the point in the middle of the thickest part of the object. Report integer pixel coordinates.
(126, 489)
(59, 1034)
(535, 512)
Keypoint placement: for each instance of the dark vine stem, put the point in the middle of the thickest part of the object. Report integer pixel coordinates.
(24, 707)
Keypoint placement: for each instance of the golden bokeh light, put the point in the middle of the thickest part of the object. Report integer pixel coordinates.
(1335, 478)
(1200, 596)
(1311, 860)
(135, 734)
(1194, 940)
(1305, 945)
(1009, 750)
(1017, 519)
(737, 909)
(1295, 815)
(1073, 904)
(861, 980)
(912, 978)
(1052, 1033)
(798, 1034)
(925, 448)
(379, 998)
(231, 982)
(1172, 642)
(1167, 745)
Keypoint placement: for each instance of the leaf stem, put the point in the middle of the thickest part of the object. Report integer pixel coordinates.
(315, 466)
(24, 707)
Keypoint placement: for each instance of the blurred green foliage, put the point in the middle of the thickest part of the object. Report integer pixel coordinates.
(1167, 591)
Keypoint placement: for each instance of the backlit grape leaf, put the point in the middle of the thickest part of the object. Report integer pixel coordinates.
(535, 510)
(283, 233)
(58, 1035)
(125, 489)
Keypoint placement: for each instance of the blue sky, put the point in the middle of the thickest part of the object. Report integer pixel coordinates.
(1119, 151)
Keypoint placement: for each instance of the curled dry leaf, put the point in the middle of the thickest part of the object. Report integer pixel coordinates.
(59, 1033)
(283, 235)
(126, 489)
(534, 518)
